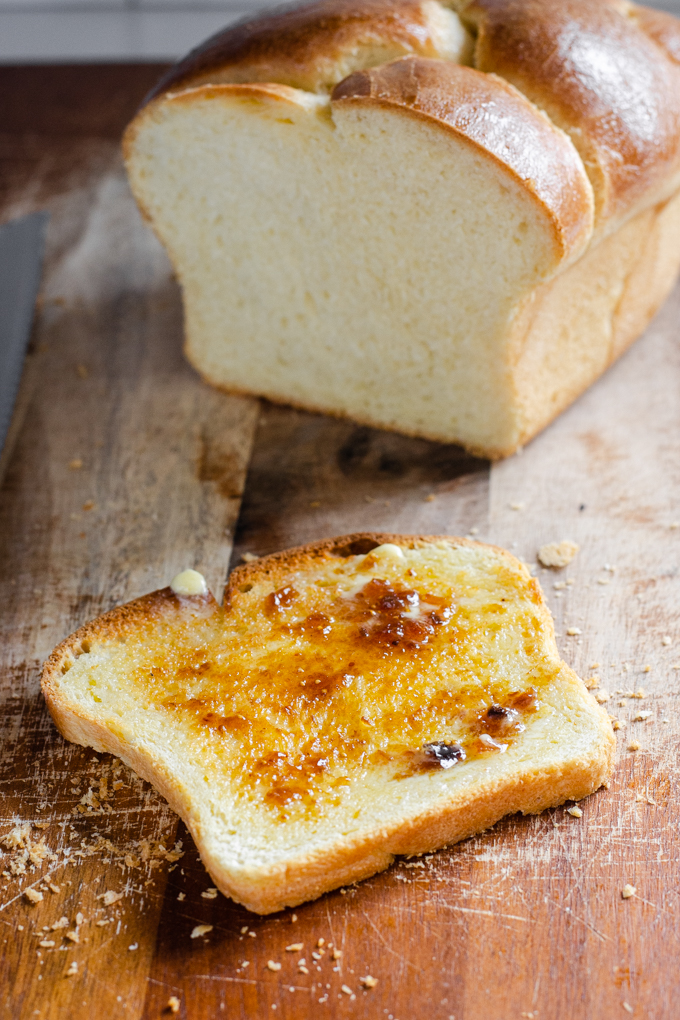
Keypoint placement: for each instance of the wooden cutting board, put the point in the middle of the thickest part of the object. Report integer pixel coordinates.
(126, 468)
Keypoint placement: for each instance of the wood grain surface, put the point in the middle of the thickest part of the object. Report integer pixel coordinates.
(526, 920)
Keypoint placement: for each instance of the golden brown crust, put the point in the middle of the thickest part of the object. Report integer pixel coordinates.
(600, 77)
(485, 110)
(359, 543)
(305, 46)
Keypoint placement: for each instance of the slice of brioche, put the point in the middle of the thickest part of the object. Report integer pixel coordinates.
(354, 699)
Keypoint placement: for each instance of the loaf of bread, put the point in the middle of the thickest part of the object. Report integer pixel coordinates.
(445, 218)
(352, 700)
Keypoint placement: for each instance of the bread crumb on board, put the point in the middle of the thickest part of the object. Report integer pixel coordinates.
(173, 1004)
(200, 929)
(368, 981)
(32, 895)
(557, 554)
(575, 811)
(628, 891)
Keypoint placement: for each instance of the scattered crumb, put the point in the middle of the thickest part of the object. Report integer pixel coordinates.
(53, 887)
(135, 945)
(210, 893)
(73, 969)
(46, 943)
(633, 746)
(573, 631)
(628, 891)
(320, 942)
(103, 922)
(346, 989)
(252, 934)
(517, 506)
(181, 896)
(293, 918)
(244, 929)
(575, 811)
(295, 947)
(173, 1004)
(273, 966)
(667, 640)
(603, 580)
(368, 981)
(601, 697)
(249, 557)
(79, 918)
(675, 524)
(200, 929)
(618, 724)
(88, 504)
(641, 716)
(626, 1005)
(336, 954)
(557, 554)
(110, 897)
(640, 693)
(73, 936)
(33, 896)
(592, 682)
(75, 464)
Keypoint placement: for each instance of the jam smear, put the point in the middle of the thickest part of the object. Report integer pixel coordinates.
(281, 599)
(403, 620)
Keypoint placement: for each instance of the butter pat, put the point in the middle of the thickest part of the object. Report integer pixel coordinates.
(189, 582)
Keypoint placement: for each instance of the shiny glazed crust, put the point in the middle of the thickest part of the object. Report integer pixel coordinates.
(485, 110)
(304, 46)
(605, 71)
(602, 74)
(266, 889)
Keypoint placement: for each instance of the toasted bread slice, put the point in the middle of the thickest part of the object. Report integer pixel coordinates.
(354, 699)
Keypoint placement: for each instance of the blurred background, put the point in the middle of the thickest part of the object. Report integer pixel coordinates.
(55, 31)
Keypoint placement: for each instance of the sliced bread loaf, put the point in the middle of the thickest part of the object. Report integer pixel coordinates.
(354, 699)
(447, 222)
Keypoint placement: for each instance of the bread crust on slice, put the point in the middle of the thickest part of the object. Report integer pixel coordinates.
(206, 703)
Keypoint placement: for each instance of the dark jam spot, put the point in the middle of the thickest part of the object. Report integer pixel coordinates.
(281, 599)
(387, 616)
(442, 755)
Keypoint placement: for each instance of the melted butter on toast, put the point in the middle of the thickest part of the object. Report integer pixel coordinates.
(412, 662)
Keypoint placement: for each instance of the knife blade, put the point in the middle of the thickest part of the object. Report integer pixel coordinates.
(22, 243)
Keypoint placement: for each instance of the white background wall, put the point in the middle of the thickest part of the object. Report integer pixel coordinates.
(51, 31)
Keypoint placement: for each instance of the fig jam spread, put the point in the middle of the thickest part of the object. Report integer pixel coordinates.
(296, 691)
